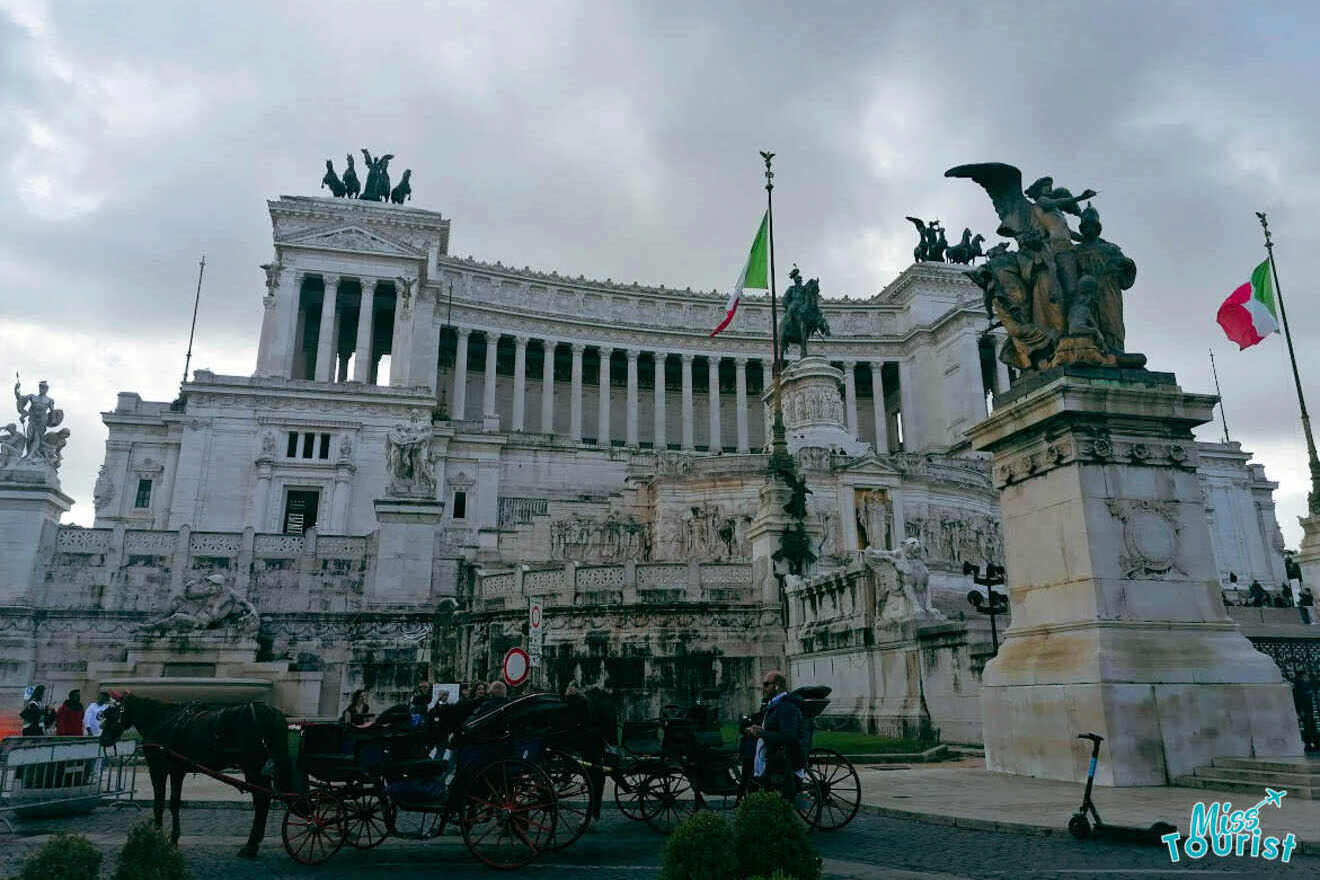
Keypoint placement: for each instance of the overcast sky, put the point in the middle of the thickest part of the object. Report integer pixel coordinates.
(620, 140)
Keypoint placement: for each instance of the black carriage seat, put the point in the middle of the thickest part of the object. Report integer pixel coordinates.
(641, 737)
(525, 716)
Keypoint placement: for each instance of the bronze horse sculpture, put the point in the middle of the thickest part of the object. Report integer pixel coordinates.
(180, 737)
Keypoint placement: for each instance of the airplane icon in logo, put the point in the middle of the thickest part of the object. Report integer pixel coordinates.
(1272, 797)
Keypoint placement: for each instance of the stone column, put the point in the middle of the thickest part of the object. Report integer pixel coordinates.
(343, 490)
(850, 395)
(659, 441)
(548, 387)
(268, 347)
(261, 494)
(366, 315)
(632, 398)
(519, 383)
(603, 404)
(1002, 380)
(907, 405)
(713, 392)
(575, 398)
(325, 343)
(740, 387)
(492, 349)
(688, 442)
(459, 407)
(1118, 624)
(878, 404)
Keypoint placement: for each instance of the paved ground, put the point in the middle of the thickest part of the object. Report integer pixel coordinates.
(871, 848)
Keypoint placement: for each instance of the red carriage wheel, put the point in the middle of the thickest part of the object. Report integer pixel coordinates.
(509, 812)
(839, 788)
(366, 819)
(572, 796)
(313, 827)
(667, 798)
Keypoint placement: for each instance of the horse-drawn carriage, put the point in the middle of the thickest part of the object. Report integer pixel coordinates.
(693, 765)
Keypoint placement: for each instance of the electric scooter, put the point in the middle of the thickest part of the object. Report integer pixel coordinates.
(1080, 827)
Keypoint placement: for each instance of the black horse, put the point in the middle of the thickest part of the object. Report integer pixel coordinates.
(250, 736)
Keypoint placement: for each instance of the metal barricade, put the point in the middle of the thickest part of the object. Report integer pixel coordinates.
(49, 776)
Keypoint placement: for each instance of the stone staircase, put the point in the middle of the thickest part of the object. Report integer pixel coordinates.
(1300, 776)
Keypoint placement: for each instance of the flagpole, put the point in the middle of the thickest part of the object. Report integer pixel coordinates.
(1313, 498)
(197, 300)
(1223, 418)
(779, 446)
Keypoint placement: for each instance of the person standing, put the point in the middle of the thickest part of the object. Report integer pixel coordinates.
(69, 717)
(92, 717)
(358, 710)
(35, 714)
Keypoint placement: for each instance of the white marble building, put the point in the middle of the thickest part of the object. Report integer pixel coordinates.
(576, 426)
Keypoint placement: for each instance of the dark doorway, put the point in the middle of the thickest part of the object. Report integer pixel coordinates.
(300, 510)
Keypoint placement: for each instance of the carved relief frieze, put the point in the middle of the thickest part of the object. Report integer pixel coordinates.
(615, 538)
(1095, 447)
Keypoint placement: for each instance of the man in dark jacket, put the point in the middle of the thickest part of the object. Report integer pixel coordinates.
(779, 757)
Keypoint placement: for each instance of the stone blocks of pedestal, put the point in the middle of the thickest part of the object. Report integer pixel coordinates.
(405, 551)
(812, 403)
(1118, 626)
(31, 504)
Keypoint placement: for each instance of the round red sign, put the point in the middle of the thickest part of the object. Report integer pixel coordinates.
(516, 667)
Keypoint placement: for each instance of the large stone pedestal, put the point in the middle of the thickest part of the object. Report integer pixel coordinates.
(405, 551)
(813, 408)
(1118, 624)
(1308, 555)
(31, 505)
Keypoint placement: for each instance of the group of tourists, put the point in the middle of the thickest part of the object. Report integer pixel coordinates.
(487, 696)
(71, 718)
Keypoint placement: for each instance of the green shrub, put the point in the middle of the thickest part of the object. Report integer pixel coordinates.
(770, 838)
(64, 857)
(777, 875)
(699, 849)
(149, 855)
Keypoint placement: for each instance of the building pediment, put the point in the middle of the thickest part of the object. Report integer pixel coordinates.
(870, 466)
(350, 239)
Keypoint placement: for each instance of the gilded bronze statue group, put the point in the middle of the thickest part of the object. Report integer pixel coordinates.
(1059, 296)
(377, 187)
(933, 246)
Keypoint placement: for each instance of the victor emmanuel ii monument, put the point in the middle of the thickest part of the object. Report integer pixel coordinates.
(428, 442)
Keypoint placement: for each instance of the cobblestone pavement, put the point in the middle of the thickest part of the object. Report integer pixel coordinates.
(871, 848)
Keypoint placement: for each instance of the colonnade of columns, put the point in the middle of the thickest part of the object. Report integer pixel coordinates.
(632, 430)
(332, 306)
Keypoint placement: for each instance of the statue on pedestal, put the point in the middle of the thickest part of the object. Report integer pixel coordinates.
(35, 443)
(1059, 296)
(802, 316)
(206, 604)
(913, 579)
(411, 469)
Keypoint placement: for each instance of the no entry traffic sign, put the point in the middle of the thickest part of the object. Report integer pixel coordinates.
(516, 667)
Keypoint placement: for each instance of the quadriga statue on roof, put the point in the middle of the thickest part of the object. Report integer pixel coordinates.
(1059, 296)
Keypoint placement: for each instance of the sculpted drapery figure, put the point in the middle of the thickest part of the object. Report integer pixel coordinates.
(206, 604)
(802, 316)
(407, 447)
(911, 573)
(1059, 295)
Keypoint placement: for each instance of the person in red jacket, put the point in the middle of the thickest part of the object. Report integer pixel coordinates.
(69, 716)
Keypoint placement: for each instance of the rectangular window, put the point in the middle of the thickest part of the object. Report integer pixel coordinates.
(460, 505)
(143, 498)
(324, 451)
(300, 508)
(309, 442)
(292, 449)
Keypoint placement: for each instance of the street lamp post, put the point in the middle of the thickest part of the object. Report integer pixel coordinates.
(997, 603)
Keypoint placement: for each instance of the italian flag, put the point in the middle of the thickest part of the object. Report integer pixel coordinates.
(752, 277)
(1249, 314)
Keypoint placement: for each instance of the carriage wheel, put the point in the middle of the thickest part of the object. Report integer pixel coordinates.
(839, 788)
(572, 796)
(313, 827)
(366, 819)
(509, 812)
(628, 786)
(808, 799)
(667, 798)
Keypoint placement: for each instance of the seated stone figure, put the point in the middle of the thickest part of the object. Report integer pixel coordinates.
(913, 579)
(206, 604)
